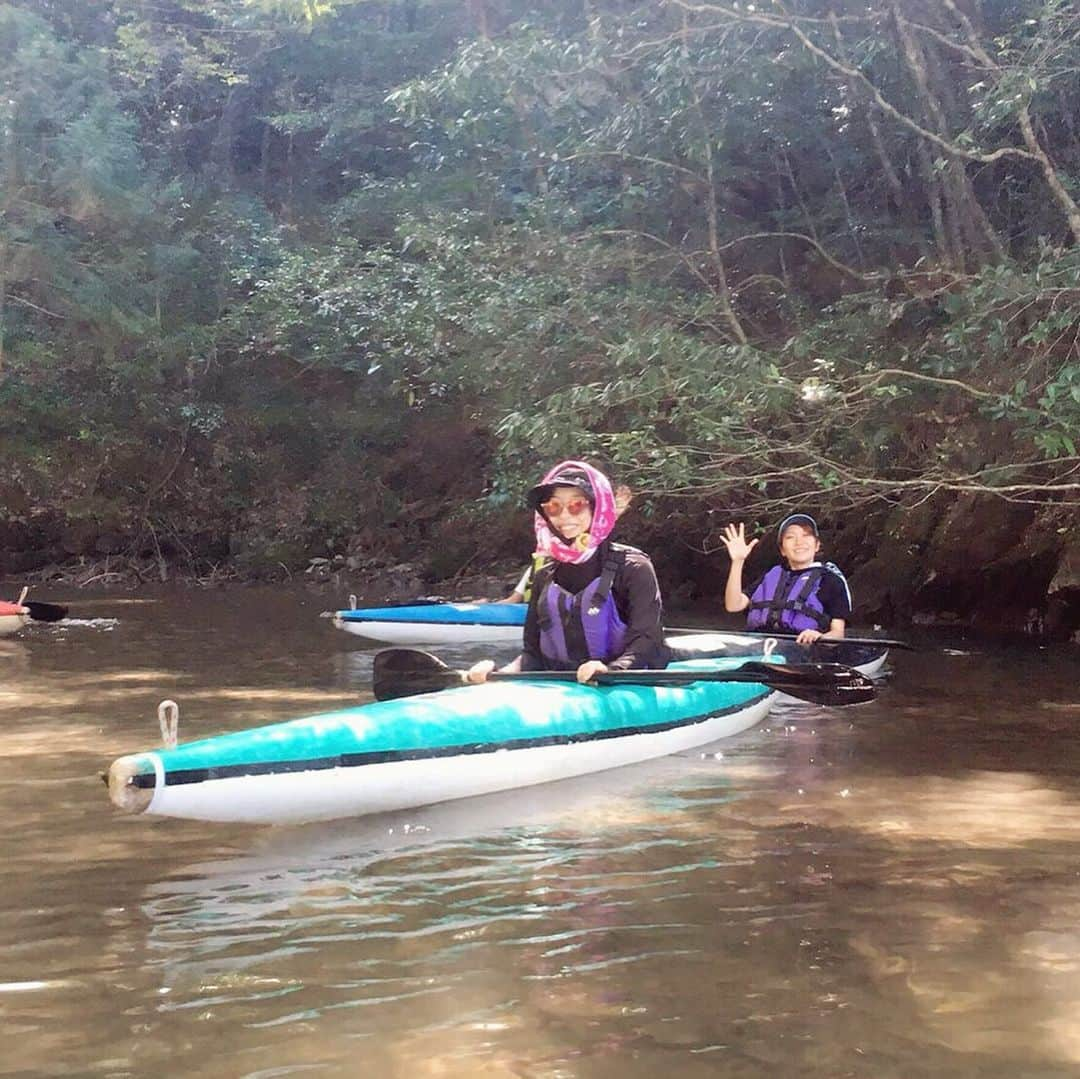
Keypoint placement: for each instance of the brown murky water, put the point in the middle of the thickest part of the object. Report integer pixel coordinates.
(887, 892)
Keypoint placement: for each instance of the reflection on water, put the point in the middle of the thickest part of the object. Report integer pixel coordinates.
(884, 892)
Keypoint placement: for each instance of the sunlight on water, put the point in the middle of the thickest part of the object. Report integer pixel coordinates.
(328, 699)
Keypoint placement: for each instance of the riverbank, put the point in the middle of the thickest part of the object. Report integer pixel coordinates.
(995, 568)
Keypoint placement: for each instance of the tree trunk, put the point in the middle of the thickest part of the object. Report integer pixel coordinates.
(933, 198)
(225, 139)
(1027, 128)
(264, 160)
(796, 190)
(3, 305)
(970, 232)
(712, 214)
(892, 177)
(479, 12)
(1053, 180)
(848, 215)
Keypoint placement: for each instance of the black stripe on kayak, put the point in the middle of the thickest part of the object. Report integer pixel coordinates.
(385, 756)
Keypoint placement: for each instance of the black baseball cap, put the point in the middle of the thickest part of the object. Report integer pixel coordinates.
(572, 477)
(798, 519)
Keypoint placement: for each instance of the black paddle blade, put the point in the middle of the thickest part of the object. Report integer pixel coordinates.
(405, 672)
(45, 612)
(819, 683)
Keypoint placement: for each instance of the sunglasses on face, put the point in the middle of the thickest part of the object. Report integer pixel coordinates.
(554, 506)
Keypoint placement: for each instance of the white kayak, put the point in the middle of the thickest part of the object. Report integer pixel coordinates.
(435, 622)
(867, 659)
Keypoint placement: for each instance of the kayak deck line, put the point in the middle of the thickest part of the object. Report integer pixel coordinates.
(148, 779)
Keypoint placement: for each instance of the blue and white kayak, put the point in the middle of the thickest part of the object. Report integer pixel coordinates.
(415, 751)
(436, 623)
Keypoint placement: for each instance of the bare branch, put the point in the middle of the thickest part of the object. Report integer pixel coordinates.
(917, 376)
(853, 74)
(33, 306)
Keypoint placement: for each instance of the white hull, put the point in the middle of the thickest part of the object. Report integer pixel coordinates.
(403, 784)
(875, 666)
(718, 643)
(410, 633)
(12, 623)
(734, 643)
(869, 669)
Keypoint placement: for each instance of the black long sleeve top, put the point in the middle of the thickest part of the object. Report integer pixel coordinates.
(636, 592)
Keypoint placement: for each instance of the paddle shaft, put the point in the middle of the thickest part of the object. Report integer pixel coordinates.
(883, 641)
(780, 678)
(403, 672)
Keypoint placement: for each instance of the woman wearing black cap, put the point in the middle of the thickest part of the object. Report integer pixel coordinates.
(595, 604)
(800, 595)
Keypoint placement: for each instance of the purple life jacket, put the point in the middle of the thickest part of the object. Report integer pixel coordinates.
(788, 599)
(578, 626)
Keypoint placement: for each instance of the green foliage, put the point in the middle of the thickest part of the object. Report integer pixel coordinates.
(249, 251)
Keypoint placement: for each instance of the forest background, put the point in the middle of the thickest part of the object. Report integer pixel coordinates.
(334, 280)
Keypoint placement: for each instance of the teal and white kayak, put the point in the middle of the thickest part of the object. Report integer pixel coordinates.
(415, 751)
(436, 622)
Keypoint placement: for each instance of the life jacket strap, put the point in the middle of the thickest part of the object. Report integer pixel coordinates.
(536, 564)
(615, 560)
(798, 603)
(542, 577)
(779, 600)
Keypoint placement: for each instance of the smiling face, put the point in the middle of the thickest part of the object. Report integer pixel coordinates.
(799, 546)
(568, 512)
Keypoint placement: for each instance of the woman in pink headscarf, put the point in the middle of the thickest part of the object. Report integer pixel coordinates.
(595, 605)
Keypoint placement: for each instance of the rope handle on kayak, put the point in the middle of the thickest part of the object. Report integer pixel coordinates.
(168, 714)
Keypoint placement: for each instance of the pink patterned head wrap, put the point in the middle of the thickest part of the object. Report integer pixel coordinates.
(603, 521)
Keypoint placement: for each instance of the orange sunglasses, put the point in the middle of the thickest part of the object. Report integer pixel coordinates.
(554, 506)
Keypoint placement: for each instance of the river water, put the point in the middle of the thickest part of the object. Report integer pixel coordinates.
(888, 891)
